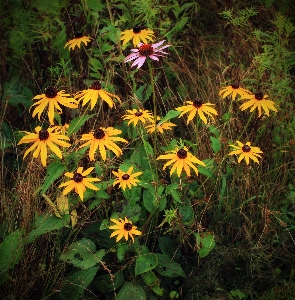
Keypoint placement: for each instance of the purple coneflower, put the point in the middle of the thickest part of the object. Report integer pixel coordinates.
(146, 50)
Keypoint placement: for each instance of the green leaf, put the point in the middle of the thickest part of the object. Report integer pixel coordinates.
(170, 115)
(77, 123)
(54, 170)
(149, 201)
(214, 130)
(96, 64)
(215, 144)
(187, 213)
(153, 282)
(168, 268)
(11, 250)
(121, 250)
(95, 5)
(172, 189)
(205, 171)
(131, 291)
(145, 263)
(75, 285)
(268, 3)
(82, 254)
(47, 223)
(206, 244)
(169, 247)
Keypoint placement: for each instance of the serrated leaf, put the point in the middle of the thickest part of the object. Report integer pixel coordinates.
(77, 123)
(168, 268)
(153, 282)
(82, 254)
(11, 250)
(47, 223)
(170, 115)
(54, 170)
(75, 285)
(145, 263)
(131, 291)
(148, 201)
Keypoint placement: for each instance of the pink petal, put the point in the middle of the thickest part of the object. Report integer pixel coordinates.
(131, 57)
(134, 50)
(139, 61)
(158, 44)
(163, 47)
(154, 57)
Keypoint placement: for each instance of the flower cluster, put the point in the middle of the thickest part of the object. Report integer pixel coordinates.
(105, 139)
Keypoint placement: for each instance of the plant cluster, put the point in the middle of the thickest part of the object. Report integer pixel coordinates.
(130, 173)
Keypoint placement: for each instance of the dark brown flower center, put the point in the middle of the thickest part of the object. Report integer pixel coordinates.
(43, 135)
(127, 226)
(96, 85)
(78, 35)
(50, 92)
(125, 177)
(235, 86)
(138, 114)
(146, 50)
(98, 134)
(197, 103)
(246, 148)
(182, 154)
(136, 29)
(77, 177)
(259, 96)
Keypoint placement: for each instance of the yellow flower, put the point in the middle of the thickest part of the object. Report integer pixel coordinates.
(79, 182)
(102, 138)
(62, 129)
(124, 228)
(79, 38)
(52, 98)
(234, 90)
(137, 34)
(181, 159)
(259, 101)
(42, 139)
(246, 152)
(93, 93)
(136, 115)
(126, 178)
(197, 107)
(159, 128)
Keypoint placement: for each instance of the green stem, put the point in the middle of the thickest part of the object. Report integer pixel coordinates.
(155, 145)
(246, 126)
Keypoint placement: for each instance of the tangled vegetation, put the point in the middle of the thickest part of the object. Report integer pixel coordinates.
(147, 149)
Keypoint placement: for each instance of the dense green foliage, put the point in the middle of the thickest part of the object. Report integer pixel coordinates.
(227, 233)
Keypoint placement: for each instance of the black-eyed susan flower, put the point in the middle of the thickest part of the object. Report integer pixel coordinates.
(94, 93)
(61, 128)
(181, 160)
(124, 228)
(79, 38)
(159, 127)
(126, 179)
(101, 139)
(235, 90)
(246, 152)
(136, 115)
(146, 50)
(138, 35)
(79, 182)
(52, 98)
(197, 106)
(42, 139)
(258, 100)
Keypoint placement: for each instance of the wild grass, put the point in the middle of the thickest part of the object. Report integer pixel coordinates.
(227, 233)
